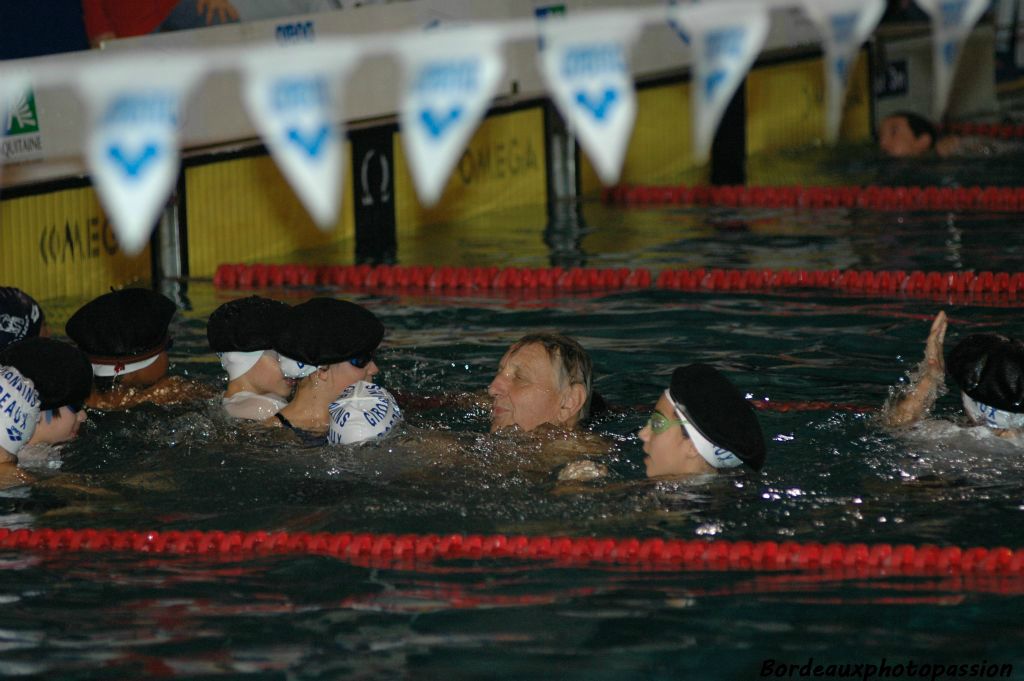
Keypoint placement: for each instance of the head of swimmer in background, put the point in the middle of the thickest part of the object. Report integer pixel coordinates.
(242, 332)
(20, 317)
(542, 378)
(19, 415)
(905, 134)
(701, 424)
(989, 370)
(328, 344)
(125, 336)
(62, 375)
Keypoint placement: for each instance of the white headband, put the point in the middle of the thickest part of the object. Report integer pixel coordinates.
(107, 370)
(293, 368)
(717, 457)
(990, 416)
(238, 363)
(19, 409)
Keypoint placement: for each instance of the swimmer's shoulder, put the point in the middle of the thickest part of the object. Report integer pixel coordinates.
(253, 406)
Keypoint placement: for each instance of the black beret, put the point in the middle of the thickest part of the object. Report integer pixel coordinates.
(61, 372)
(326, 331)
(246, 324)
(20, 316)
(718, 410)
(989, 367)
(128, 323)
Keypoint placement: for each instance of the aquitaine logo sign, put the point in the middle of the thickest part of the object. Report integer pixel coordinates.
(294, 107)
(448, 87)
(586, 66)
(844, 26)
(132, 150)
(20, 136)
(725, 40)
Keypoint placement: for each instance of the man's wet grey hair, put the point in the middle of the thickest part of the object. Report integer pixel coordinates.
(573, 362)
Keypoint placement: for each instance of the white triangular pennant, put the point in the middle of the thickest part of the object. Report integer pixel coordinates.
(952, 21)
(295, 106)
(449, 82)
(132, 150)
(586, 65)
(726, 39)
(844, 26)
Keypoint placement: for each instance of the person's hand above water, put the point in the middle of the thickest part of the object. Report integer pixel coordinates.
(924, 388)
(223, 9)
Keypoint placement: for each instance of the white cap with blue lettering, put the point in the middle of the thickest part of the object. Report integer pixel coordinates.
(364, 412)
(293, 368)
(19, 409)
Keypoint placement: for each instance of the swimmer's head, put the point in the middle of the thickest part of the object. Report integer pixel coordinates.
(329, 344)
(125, 334)
(989, 369)
(20, 411)
(906, 134)
(364, 413)
(700, 424)
(542, 378)
(20, 316)
(242, 333)
(62, 375)
(325, 331)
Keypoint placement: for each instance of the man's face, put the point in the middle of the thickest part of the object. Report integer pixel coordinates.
(525, 392)
(896, 138)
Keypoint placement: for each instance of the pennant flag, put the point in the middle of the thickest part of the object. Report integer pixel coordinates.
(132, 150)
(726, 39)
(952, 21)
(844, 26)
(586, 65)
(294, 99)
(450, 78)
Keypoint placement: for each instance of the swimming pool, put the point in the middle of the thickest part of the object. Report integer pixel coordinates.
(832, 474)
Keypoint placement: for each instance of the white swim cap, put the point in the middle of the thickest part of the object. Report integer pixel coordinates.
(365, 411)
(19, 409)
(983, 414)
(292, 368)
(237, 364)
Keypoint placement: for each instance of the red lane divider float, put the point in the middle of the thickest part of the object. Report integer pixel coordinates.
(676, 553)
(1006, 131)
(997, 199)
(965, 286)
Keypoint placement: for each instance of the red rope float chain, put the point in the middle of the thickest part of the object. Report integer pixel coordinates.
(466, 280)
(998, 199)
(566, 551)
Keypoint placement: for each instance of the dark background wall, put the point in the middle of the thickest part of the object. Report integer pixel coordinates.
(29, 28)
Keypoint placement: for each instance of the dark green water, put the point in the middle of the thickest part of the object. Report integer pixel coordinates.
(833, 474)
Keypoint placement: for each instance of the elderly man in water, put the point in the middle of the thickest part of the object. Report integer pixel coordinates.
(544, 379)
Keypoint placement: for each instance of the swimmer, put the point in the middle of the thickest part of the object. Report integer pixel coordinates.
(242, 333)
(328, 344)
(125, 335)
(905, 134)
(20, 317)
(701, 424)
(987, 367)
(18, 419)
(365, 412)
(543, 380)
(62, 375)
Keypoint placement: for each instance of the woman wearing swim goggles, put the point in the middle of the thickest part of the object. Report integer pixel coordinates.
(336, 341)
(701, 424)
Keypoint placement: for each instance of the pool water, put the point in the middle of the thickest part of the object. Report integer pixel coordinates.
(833, 473)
